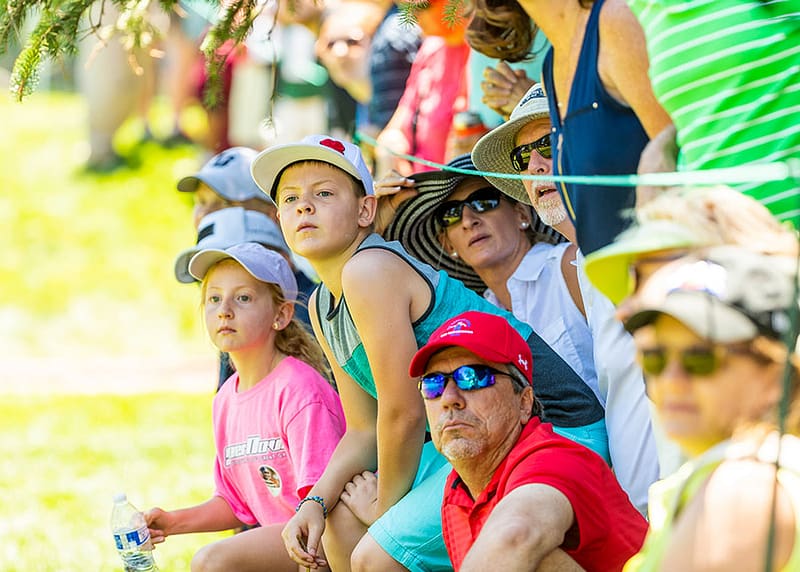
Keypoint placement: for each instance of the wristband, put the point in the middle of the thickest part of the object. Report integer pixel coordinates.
(317, 499)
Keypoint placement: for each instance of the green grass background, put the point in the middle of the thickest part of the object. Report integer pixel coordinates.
(86, 271)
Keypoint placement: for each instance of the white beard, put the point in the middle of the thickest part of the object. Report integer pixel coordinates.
(551, 211)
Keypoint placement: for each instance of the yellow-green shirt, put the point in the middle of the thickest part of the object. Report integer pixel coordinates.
(670, 495)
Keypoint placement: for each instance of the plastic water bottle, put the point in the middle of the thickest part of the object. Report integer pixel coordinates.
(131, 536)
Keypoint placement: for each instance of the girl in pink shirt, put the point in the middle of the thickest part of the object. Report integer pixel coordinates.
(276, 420)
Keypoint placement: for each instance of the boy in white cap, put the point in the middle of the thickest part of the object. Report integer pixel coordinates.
(375, 307)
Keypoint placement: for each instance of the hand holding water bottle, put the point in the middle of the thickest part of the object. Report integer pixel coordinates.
(131, 536)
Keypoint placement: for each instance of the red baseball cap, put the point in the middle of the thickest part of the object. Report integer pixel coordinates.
(488, 336)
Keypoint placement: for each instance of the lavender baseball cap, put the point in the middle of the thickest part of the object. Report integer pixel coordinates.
(262, 263)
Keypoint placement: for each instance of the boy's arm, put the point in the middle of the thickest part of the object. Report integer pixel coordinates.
(383, 293)
(523, 531)
(354, 454)
(356, 450)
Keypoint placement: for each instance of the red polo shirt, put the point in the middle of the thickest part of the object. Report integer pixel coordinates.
(607, 530)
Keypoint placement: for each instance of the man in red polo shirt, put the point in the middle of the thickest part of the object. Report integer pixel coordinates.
(520, 497)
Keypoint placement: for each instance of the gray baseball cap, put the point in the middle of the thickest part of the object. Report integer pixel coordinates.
(226, 227)
(228, 174)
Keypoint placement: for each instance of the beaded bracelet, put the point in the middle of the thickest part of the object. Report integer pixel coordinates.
(317, 499)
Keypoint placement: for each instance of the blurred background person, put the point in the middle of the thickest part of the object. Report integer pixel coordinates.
(188, 21)
(728, 76)
(116, 83)
(436, 89)
(368, 50)
(711, 331)
(306, 101)
(345, 42)
(394, 47)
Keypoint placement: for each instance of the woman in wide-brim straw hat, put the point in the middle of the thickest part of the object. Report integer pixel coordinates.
(464, 225)
(710, 330)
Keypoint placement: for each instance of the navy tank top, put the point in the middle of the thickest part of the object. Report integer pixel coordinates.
(598, 136)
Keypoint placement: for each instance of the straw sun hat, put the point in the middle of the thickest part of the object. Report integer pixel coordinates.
(492, 152)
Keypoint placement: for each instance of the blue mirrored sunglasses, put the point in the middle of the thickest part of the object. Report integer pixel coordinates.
(467, 378)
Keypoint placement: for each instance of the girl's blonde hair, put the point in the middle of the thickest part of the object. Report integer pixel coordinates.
(296, 341)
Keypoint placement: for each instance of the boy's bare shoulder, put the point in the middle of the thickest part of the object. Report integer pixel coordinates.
(375, 268)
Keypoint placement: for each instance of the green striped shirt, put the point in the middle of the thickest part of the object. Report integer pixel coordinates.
(728, 73)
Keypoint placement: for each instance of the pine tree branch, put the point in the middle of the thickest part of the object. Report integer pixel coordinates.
(62, 24)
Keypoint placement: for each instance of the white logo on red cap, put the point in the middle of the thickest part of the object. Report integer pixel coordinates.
(457, 328)
(522, 362)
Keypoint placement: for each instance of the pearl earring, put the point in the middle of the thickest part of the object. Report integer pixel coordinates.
(454, 254)
(524, 224)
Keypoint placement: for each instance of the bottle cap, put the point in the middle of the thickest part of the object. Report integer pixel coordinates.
(467, 123)
(120, 497)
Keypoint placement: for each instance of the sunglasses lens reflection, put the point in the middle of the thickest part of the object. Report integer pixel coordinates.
(466, 378)
(480, 201)
(696, 362)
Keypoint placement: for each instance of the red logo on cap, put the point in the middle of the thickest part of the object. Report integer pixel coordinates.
(333, 144)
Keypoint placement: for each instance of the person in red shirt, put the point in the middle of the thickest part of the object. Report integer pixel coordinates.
(520, 497)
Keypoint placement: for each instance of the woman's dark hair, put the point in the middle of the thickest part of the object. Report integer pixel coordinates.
(502, 29)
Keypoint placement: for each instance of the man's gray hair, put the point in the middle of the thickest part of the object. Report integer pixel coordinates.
(520, 382)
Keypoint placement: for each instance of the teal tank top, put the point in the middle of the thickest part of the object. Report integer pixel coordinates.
(567, 400)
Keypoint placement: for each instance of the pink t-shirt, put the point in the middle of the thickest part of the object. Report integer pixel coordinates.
(436, 89)
(274, 440)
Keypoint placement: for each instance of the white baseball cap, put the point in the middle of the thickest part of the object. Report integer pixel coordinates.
(262, 263)
(226, 227)
(270, 163)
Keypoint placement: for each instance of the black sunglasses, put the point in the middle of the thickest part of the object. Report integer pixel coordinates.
(521, 155)
(467, 378)
(480, 201)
